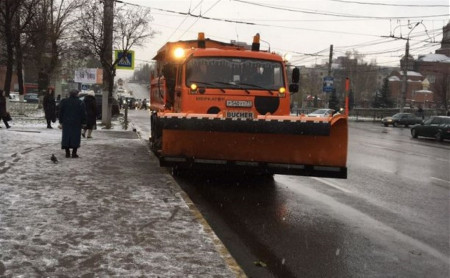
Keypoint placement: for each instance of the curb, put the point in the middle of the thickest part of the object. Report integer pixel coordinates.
(220, 247)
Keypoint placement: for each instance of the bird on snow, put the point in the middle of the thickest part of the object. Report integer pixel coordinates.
(54, 159)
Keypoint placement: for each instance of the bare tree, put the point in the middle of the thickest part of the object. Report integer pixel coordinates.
(363, 77)
(48, 34)
(130, 28)
(15, 15)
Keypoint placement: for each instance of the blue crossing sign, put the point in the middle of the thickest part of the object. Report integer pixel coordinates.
(124, 61)
(328, 84)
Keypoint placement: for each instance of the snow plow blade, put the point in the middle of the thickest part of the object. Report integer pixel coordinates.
(294, 145)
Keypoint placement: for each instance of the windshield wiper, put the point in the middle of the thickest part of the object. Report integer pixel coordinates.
(235, 85)
(207, 84)
(257, 86)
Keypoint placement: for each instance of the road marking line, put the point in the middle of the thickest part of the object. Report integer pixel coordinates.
(389, 236)
(324, 181)
(441, 182)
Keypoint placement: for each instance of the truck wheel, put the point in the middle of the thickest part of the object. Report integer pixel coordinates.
(413, 133)
(156, 135)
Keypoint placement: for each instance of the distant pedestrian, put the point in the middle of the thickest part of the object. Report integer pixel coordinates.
(144, 104)
(3, 113)
(50, 108)
(120, 102)
(58, 100)
(448, 112)
(72, 115)
(421, 112)
(91, 113)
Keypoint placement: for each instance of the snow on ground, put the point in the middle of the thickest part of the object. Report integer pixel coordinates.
(113, 212)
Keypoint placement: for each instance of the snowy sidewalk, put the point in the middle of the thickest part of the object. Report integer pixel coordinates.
(113, 212)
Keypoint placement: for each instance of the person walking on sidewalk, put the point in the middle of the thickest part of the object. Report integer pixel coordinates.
(50, 108)
(72, 116)
(91, 113)
(3, 112)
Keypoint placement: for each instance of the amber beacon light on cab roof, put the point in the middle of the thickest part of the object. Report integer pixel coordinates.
(227, 106)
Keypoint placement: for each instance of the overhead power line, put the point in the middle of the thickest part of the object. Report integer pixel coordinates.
(334, 14)
(390, 4)
(255, 24)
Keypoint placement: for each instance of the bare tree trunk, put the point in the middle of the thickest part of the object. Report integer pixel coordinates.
(108, 77)
(19, 61)
(9, 49)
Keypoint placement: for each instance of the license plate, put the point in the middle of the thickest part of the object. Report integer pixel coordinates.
(240, 114)
(239, 103)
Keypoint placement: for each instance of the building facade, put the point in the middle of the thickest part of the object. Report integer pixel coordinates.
(428, 78)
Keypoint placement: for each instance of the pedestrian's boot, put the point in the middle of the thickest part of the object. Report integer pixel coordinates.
(67, 152)
(83, 133)
(74, 153)
(89, 132)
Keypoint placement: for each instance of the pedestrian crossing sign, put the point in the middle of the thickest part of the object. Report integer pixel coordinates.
(124, 61)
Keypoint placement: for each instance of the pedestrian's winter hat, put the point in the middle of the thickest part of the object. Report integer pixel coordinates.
(73, 93)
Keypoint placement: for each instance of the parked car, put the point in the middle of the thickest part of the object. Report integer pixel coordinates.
(321, 113)
(14, 97)
(435, 127)
(98, 99)
(405, 119)
(31, 98)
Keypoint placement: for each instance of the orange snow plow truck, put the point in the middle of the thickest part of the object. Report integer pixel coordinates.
(227, 106)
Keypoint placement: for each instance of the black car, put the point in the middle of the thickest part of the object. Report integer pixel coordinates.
(435, 127)
(31, 98)
(405, 119)
(98, 99)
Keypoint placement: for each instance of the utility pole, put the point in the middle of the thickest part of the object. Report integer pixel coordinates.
(330, 60)
(108, 78)
(405, 77)
(347, 90)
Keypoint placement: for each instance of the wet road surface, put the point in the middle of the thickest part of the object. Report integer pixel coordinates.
(390, 218)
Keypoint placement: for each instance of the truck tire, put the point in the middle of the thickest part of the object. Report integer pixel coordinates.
(439, 136)
(414, 133)
(156, 134)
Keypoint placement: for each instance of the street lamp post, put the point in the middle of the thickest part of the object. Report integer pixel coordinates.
(405, 72)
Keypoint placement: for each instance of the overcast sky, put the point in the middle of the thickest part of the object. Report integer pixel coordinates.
(303, 28)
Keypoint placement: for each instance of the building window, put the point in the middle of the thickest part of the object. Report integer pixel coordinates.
(431, 78)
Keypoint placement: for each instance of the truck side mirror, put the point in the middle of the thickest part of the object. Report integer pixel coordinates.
(295, 75)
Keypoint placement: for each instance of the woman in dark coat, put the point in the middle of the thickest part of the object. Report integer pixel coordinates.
(72, 116)
(3, 108)
(91, 113)
(50, 108)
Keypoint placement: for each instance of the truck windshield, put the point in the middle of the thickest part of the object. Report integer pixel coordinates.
(234, 73)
